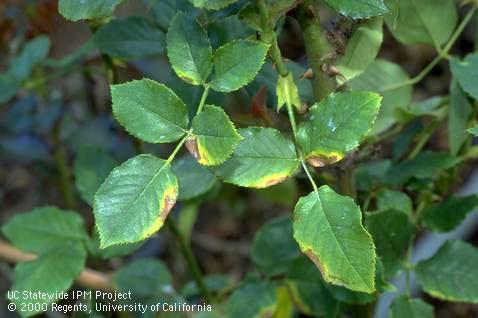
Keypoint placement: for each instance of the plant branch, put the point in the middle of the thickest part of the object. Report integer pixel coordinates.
(190, 259)
(317, 48)
(88, 278)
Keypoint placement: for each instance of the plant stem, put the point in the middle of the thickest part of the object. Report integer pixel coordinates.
(190, 259)
(65, 180)
(442, 54)
(317, 48)
(203, 99)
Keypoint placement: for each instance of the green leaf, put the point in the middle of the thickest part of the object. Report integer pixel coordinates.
(277, 8)
(130, 38)
(53, 272)
(473, 131)
(451, 274)
(215, 283)
(8, 87)
(274, 248)
(189, 49)
(33, 52)
(336, 126)
(447, 215)
(164, 11)
(149, 282)
(75, 10)
(391, 231)
(149, 111)
(459, 112)
(410, 308)
(328, 228)
(361, 50)
(379, 77)
(193, 179)
(253, 300)
(93, 247)
(262, 159)
(425, 165)
(92, 166)
(358, 9)
(287, 92)
(466, 73)
(394, 200)
(44, 228)
(214, 136)
(236, 64)
(212, 4)
(134, 200)
(422, 21)
(309, 291)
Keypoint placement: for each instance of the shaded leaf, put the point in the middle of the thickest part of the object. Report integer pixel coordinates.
(379, 77)
(274, 248)
(193, 179)
(44, 228)
(459, 111)
(133, 37)
(337, 125)
(411, 308)
(212, 4)
(361, 50)
(422, 21)
(236, 64)
(60, 266)
(358, 9)
(91, 167)
(149, 111)
(391, 231)
(448, 214)
(75, 10)
(253, 300)
(214, 136)
(33, 52)
(466, 73)
(451, 274)
(189, 49)
(262, 159)
(394, 200)
(134, 200)
(8, 87)
(473, 131)
(328, 228)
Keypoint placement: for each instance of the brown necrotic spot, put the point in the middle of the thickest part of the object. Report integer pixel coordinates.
(192, 146)
(322, 161)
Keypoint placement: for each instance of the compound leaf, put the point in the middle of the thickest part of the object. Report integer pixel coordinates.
(133, 37)
(337, 125)
(44, 228)
(328, 228)
(358, 9)
(236, 64)
(447, 215)
(262, 159)
(452, 273)
(149, 111)
(189, 49)
(422, 21)
(212, 4)
(361, 50)
(411, 308)
(214, 136)
(134, 200)
(466, 73)
(75, 10)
